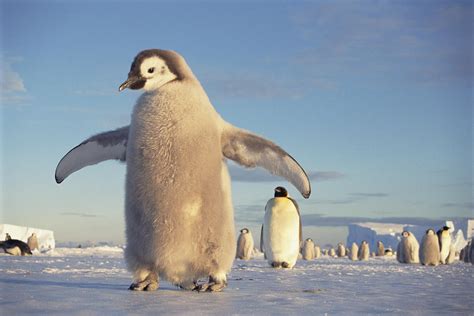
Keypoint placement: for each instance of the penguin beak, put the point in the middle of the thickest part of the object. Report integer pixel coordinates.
(133, 82)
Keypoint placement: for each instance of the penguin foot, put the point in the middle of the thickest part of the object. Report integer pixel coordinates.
(210, 287)
(285, 265)
(146, 285)
(188, 286)
(276, 264)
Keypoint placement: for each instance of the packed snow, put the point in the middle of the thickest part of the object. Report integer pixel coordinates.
(95, 281)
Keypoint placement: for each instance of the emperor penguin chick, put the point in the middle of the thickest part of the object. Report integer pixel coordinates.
(444, 243)
(354, 252)
(429, 249)
(380, 249)
(341, 250)
(408, 249)
(317, 252)
(178, 207)
(308, 249)
(364, 251)
(281, 230)
(32, 242)
(244, 244)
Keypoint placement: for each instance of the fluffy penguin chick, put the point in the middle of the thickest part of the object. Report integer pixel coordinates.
(308, 250)
(408, 249)
(380, 249)
(429, 249)
(444, 243)
(354, 252)
(281, 230)
(364, 251)
(178, 208)
(317, 252)
(33, 242)
(244, 244)
(341, 250)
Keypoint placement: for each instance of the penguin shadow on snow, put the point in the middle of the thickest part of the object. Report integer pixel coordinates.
(72, 284)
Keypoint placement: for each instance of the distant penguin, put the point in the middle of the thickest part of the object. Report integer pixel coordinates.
(15, 247)
(281, 230)
(354, 252)
(464, 256)
(325, 252)
(317, 252)
(380, 249)
(244, 244)
(389, 252)
(341, 250)
(452, 254)
(429, 249)
(308, 249)
(444, 243)
(332, 252)
(471, 251)
(7, 236)
(33, 242)
(408, 249)
(364, 251)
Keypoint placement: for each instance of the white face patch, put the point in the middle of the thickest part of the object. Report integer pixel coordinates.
(156, 72)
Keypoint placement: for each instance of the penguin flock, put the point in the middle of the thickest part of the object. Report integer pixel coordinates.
(177, 186)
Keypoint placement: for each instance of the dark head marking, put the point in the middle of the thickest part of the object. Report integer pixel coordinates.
(281, 192)
(244, 230)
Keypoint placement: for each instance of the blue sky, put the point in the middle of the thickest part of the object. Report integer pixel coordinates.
(374, 98)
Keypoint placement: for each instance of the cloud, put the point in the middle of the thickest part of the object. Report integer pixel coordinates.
(410, 41)
(260, 175)
(78, 214)
(375, 194)
(319, 220)
(12, 87)
(467, 205)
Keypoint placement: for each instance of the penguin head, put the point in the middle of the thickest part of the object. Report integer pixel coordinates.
(281, 192)
(244, 230)
(153, 68)
(446, 228)
(430, 231)
(405, 234)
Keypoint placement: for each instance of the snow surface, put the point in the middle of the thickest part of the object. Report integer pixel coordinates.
(95, 281)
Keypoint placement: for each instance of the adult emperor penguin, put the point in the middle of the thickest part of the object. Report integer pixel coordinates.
(444, 243)
(15, 247)
(429, 249)
(281, 230)
(408, 248)
(178, 208)
(308, 249)
(354, 252)
(244, 245)
(364, 251)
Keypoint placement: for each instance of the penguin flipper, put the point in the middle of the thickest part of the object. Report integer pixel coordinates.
(104, 146)
(261, 240)
(250, 150)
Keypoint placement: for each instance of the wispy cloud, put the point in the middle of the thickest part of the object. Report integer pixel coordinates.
(411, 41)
(12, 87)
(79, 214)
(260, 175)
(466, 205)
(374, 194)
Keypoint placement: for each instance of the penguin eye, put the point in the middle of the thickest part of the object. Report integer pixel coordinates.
(151, 70)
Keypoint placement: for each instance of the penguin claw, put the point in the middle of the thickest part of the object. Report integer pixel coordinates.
(146, 285)
(210, 287)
